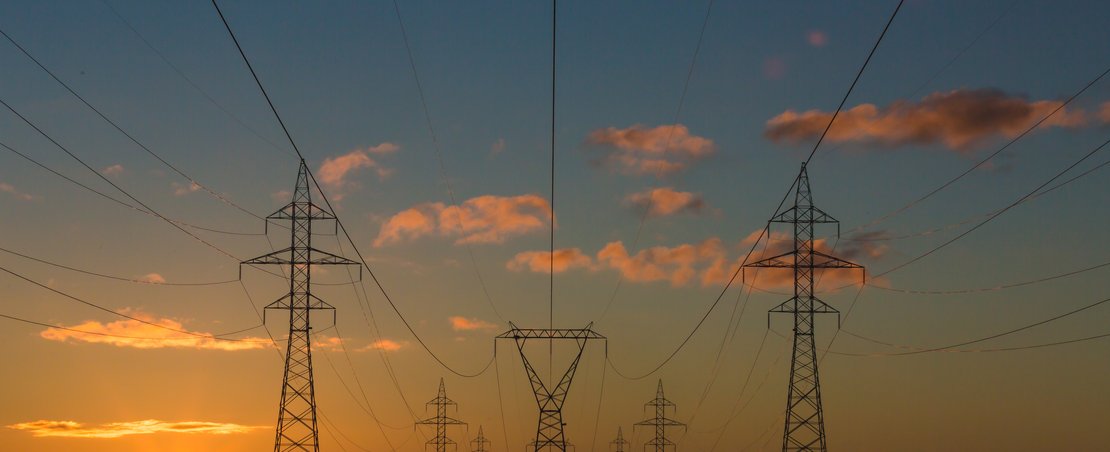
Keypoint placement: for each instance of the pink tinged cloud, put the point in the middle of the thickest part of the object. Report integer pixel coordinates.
(386, 345)
(1104, 112)
(153, 278)
(483, 219)
(674, 264)
(543, 261)
(15, 193)
(459, 323)
(959, 120)
(817, 38)
(665, 201)
(134, 334)
(185, 189)
(114, 170)
(658, 151)
(71, 429)
(335, 172)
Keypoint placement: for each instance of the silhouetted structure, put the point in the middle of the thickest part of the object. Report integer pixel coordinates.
(619, 443)
(479, 444)
(660, 422)
(805, 422)
(549, 432)
(296, 427)
(441, 420)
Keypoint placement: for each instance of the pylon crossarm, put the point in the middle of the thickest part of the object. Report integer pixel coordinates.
(550, 333)
(295, 211)
(791, 215)
(281, 257)
(831, 262)
(779, 261)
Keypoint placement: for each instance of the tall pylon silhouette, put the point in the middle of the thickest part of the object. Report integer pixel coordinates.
(549, 431)
(479, 444)
(618, 443)
(296, 426)
(441, 420)
(805, 419)
(659, 442)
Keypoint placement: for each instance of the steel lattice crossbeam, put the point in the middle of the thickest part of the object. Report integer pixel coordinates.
(441, 420)
(549, 430)
(660, 422)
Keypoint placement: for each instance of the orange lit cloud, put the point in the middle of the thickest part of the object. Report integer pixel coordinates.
(135, 334)
(959, 119)
(11, 190)
(659, 151)
(182, 189)
(660, 263)
(543, 261)
(334, 172)
(70, 429)
(113, 170)
(484, 219)
(153, 278)
(1104, 112)
(459, 323)
(666, 201)
(387, 345)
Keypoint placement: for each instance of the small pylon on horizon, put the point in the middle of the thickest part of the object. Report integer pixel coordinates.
(441, 420)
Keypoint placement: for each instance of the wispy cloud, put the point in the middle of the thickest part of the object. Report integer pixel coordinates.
(666, 201)
(153, 278)
(459, 323)
(134, 334)
(484, 219)
(71, 429)
(1104, 112)
(113, 170)
(817, 38)
(387, 345)
(184, 189)
(959, 120)
(660, 263)
(543, 261)
(658, 151)
(11, 190)
(335, 172)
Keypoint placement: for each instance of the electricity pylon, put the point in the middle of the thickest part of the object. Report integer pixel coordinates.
(441, 420)
(549, 431)
(660, 443)
(296, 426)
(479, 444)
(619, 443)
(805, 420)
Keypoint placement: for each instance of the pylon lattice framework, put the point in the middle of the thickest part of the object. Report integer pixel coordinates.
(479, 444)
(549, 431)
(441, 420)
(805, 419)
(660, 422)
(619, 443)
(296, 426)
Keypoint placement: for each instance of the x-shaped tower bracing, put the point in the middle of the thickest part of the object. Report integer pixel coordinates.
(660, 422)
(549, 431)
(441, 420)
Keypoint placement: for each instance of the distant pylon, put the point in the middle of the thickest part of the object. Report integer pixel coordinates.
(549, 431)
(805, 419)
(479, 444)
(441, 420)
(619, 443)
(296, 426)
(659, 442)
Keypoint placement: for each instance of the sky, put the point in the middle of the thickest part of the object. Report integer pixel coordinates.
(666, 172)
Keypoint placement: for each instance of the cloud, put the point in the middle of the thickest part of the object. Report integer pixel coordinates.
(666, 201)
(541, 261)
(959, 119)
(659, 151)
(386, 345)
(135, 334)
(328, 343)
(153, 278)
(11, 190)
(182, 189)
(660, 263)
(459, 323)
(114, 170)
(282, 196)
(483, 219)
(334, 172)
(817, 38)
(497, 147)
(1104, 112)
(70, 429)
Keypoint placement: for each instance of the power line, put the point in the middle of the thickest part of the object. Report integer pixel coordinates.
(993, 288)
(124, 336)
(439, 158)
(117, 278)
(327, 202)
(216, 195)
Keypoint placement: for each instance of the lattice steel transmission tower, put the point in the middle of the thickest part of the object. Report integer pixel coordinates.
(441, 420)
(479, 444)
(660, 443)
(296, 426)
(805, 420)
(549, 431)
(619, 443)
